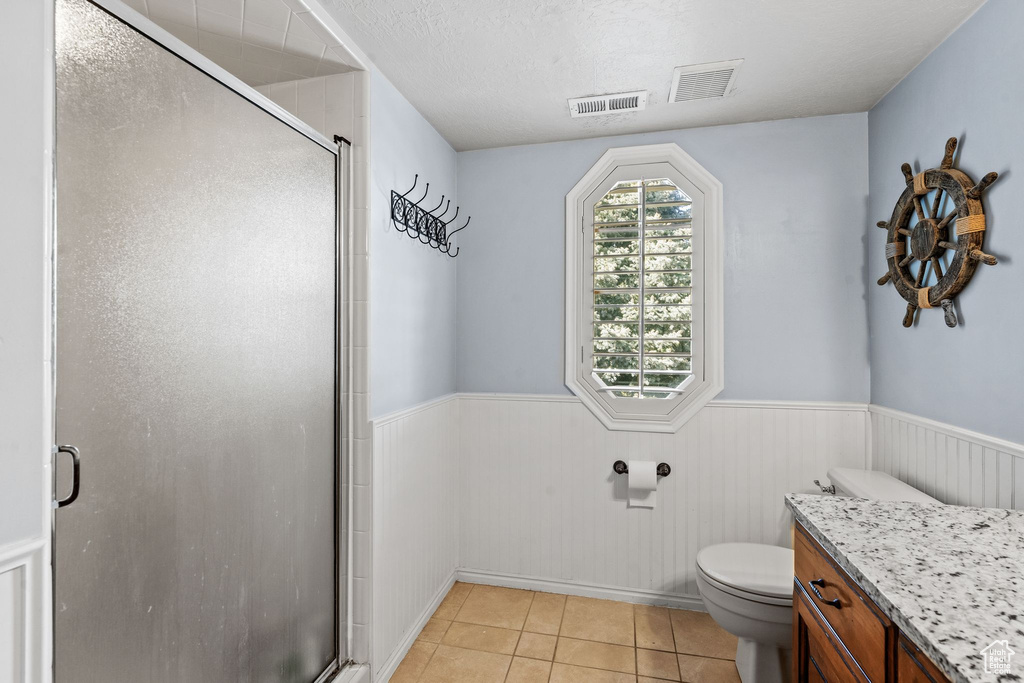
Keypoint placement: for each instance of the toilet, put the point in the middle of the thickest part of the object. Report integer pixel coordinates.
(747, 588)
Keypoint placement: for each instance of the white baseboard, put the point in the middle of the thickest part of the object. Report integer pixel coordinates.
(387, 669)
(583, 590)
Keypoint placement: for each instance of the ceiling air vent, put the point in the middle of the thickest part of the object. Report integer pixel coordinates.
(701, 81)
(599, 105)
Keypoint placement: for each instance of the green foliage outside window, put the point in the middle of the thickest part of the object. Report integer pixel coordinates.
(660, 324)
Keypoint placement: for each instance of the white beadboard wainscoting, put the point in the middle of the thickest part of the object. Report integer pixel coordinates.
(518, 490)
(415, 524)
(540, 500)
(955, 465)
(24, 642)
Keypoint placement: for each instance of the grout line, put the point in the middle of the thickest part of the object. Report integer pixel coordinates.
(429, 660)
(509, 666)
(636, 646)
(600, 642)
(287, 27)
(675, 643)
(597, 668)
(446, 629)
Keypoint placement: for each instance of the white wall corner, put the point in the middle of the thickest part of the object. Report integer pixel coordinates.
(386, 669)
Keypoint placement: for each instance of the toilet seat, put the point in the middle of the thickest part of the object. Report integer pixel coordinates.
(752, 571)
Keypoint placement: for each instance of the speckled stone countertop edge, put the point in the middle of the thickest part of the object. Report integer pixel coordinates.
(922, 640)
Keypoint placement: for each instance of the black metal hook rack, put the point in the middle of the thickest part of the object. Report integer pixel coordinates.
(426, 225)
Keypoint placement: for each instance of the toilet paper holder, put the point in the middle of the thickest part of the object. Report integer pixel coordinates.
(620, 467)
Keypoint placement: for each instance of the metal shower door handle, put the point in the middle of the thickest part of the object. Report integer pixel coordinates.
(76, 478)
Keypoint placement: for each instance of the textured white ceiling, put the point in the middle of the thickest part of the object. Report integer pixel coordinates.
(488, 73)
(259, 41)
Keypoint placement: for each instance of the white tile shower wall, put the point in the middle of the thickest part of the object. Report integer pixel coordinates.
(260, 41)
(539, 498)
(338, 105)
(416, 503)
(359, 299)
(325, 103)
(954, 465)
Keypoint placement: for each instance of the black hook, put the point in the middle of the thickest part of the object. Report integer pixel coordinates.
(438, 205)
(425, 192)
(415, 180)
(447, 206)
(446, 223)
(462, 228)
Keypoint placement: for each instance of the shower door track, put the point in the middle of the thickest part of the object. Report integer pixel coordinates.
(339, 147)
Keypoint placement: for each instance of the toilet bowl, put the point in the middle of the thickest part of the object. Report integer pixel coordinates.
(747, 589)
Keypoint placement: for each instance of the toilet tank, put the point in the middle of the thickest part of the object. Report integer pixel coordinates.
(874, 485)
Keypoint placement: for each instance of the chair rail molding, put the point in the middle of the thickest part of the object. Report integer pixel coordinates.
(983, 440)
(955, 465)
(714, 403)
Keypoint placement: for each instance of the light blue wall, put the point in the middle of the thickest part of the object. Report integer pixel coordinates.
(971, 376)
(795, 210)
(412, 287)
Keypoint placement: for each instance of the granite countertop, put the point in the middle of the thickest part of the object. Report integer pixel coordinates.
(950, 577)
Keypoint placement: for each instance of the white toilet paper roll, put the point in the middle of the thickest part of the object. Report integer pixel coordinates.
(643, 483)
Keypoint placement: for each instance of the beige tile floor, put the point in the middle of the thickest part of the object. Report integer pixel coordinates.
(485, 634)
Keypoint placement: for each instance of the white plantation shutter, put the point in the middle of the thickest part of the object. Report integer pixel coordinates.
(643, 288)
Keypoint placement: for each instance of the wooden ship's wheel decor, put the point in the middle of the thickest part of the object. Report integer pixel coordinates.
(915, 247)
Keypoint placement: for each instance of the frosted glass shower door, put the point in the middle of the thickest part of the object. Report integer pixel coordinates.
(196, 250)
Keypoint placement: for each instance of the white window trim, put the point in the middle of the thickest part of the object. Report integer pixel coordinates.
(578, 317)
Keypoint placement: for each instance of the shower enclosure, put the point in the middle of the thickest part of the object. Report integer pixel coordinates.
(197, 382)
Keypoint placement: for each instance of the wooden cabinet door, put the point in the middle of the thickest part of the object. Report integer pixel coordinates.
(913, 666)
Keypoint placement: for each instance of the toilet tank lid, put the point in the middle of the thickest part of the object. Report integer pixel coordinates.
(750, 567)
(875, 486)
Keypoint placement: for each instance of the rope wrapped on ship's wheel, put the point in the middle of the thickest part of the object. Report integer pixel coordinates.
(930, 240)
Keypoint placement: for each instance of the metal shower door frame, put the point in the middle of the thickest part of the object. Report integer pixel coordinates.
(341, 149)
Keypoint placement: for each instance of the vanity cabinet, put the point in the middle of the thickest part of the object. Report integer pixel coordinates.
(839, 633)
(913, 666)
